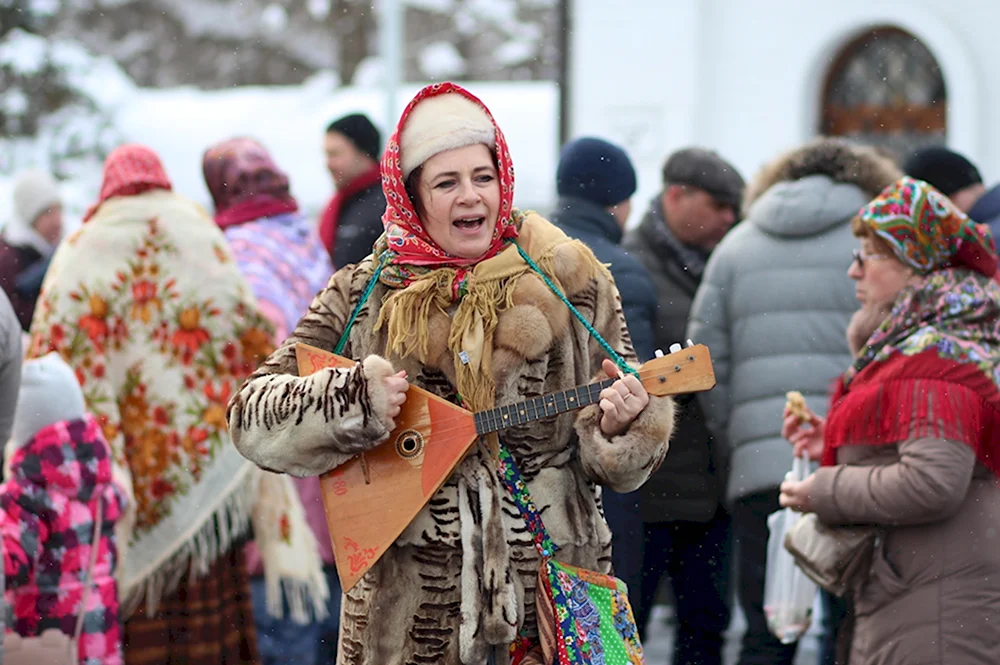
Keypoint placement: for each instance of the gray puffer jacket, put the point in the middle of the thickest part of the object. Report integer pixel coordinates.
(10, 367)
(775, 301)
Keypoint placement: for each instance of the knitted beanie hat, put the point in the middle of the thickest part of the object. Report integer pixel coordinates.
(50, 393)
(360, 131)
(34, 192)
(596, 171)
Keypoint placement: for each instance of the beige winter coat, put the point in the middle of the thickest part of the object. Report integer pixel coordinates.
(933, 593)
(458, 580)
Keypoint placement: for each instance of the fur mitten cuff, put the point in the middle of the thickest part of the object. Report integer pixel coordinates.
(305, 426)
(624, 462)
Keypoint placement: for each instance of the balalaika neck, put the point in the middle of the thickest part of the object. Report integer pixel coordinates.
(536, 408)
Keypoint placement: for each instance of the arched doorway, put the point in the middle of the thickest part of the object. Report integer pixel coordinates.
(885, 88)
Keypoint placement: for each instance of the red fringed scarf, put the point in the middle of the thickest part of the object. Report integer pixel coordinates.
(331, 216)
(931, 370)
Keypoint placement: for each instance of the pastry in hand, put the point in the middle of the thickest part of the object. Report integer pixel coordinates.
(796, 405)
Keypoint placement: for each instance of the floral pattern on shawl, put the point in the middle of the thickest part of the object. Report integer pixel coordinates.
(147, 306)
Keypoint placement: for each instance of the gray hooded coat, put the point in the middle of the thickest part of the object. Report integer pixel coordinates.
(775, 301)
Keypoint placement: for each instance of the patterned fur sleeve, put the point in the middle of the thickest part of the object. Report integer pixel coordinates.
(623, 462)
(305, 426)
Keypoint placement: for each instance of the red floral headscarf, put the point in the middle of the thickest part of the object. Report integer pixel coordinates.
(406, 238)
(130, 170)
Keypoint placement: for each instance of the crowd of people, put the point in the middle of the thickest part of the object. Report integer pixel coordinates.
(151, 396)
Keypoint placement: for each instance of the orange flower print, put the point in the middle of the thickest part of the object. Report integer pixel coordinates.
(220, 254)
(191, 336)
(135, 414)
(214, 415)
(156, 443)
(145, 300)
(108, 428)
(95, 323)
(256, 345)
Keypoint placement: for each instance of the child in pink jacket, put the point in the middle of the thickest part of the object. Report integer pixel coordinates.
(60, 468)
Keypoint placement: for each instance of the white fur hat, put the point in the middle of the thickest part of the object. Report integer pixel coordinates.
(34, 192)
(50, 393)
(440, 123)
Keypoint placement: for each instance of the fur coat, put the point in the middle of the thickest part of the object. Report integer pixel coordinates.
(462, 577)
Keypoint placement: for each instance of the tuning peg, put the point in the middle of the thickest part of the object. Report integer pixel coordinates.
(690, 343)
(674, 348)
(658, 354)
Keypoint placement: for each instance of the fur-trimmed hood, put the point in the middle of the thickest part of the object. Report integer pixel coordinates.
(813, 187)
(835, 158)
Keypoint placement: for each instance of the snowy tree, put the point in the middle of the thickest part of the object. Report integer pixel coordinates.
(221, 43)
(482, 39)
(38, 96)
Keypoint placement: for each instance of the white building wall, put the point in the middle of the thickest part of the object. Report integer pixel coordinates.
(746, 78)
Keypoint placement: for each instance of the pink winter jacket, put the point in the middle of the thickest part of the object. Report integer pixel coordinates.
(47, 512)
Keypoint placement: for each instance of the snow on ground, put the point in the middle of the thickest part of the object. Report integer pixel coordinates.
(179, 123)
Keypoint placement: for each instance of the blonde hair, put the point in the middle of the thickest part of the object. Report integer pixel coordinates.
(865, 232)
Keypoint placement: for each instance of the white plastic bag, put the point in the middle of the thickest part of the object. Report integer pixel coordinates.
(788, 592)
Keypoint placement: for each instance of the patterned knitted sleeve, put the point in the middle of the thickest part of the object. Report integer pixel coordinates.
(623, 462)
(305, 426)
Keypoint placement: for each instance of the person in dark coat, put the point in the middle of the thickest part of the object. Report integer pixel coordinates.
(595, 181)
(29, 239)
(352, 221)
(958, 179)
(686, 529)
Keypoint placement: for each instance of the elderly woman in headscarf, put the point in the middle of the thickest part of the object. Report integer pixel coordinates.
(280, 254)
(146, 304)
(455, 308)
(911, 443)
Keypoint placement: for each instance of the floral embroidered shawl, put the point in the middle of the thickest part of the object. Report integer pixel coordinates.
(147, 305)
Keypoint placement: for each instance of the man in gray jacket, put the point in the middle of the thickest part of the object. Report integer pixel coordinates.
(685, 528)
(773, 309)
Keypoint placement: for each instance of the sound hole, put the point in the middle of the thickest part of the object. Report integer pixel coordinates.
(409, 444)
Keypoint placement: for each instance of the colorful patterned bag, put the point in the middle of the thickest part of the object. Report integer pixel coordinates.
(584, 617)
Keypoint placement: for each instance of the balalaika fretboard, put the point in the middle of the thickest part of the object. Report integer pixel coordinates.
(536, 408)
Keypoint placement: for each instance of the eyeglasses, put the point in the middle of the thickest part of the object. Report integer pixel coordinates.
(860, 258)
